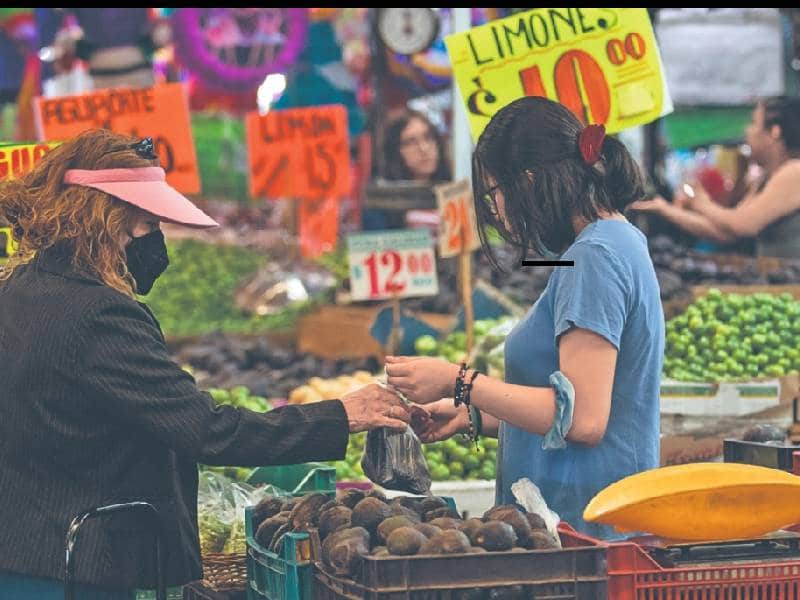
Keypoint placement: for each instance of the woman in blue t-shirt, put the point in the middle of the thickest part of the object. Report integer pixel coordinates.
(579, 408)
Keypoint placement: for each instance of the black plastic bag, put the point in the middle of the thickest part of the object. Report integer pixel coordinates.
(394, 460)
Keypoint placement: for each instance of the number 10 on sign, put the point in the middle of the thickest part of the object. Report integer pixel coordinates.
(392, 264)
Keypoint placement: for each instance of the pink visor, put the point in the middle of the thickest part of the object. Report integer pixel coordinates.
(147, 188)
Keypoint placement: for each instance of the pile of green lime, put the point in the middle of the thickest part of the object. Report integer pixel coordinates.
(454, 346)
(734, 337)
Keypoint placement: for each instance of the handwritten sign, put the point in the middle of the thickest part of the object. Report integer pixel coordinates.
(299, 153)
(7, 244)
(160, 112)
(319, 226)
(18, 159)
(458, 231)
(601, 63)
(392, 264)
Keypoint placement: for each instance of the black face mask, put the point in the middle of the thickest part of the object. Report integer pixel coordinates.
(147, 259)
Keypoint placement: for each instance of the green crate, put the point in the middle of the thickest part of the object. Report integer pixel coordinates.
(298, 480)
(288, 576)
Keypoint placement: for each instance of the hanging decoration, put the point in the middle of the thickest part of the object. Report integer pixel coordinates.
(234, 49)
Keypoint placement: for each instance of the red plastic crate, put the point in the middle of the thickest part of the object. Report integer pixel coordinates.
(634, 575)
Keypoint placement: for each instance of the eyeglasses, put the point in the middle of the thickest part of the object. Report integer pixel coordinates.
(424, 140)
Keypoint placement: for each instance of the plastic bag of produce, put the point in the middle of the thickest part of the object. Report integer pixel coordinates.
(529, 497)
(394, 460)
(220, 507)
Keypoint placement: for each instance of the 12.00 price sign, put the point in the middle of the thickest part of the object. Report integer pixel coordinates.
(389, 264)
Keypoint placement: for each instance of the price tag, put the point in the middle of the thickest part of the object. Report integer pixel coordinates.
(601, 63)
(300, 153)
(392, 264)
(457, 223)
(18, 159)
(160, 112)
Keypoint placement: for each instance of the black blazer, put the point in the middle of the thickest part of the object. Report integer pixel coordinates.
(93, 411)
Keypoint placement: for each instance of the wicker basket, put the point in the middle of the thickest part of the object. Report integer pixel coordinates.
(225, 572)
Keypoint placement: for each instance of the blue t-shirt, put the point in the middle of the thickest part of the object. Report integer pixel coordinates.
(612, 290)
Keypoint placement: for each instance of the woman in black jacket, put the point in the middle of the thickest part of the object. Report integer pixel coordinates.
(92, 409)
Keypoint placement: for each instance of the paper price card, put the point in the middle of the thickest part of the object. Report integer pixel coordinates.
(300, 153)
(160, 112)
(458, 230)
(18, 159)
(601, 63)
(392, 264)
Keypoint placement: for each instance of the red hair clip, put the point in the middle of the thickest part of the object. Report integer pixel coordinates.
(590, 143)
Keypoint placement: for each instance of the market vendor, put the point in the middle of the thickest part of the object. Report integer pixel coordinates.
(770, 211)
(94, 411)
(413, 150)
(579, 409)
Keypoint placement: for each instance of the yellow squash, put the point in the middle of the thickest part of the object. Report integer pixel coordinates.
(700, 502)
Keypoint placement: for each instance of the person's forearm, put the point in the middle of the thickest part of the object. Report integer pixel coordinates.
(695, 223)
(529, 408)
(490, 425)
(725, 219)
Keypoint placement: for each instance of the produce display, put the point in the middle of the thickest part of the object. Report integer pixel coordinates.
(455, 459)
(195, 295)
(318, 389)
(734, 337)
(679, 267)
(266, 368)
(357, 524)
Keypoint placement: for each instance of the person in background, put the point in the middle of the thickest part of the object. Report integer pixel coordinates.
(770, 209)
(94, 410)
(413, 151)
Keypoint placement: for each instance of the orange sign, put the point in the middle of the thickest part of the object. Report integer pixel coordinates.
(319, 226)
(17, 159)
(160, 112)
(458, 230)
(301, 153)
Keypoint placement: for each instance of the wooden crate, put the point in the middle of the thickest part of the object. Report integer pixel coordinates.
(342, 332)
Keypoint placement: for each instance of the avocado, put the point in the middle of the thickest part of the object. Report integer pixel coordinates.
(329, 504)
(496, 536)
(268, 528)
(369, 513)
(376, 493)
(387, 526)
(541, 539)
(267, 508)
(399, 510)
(446, 523)
(432, 503)
(536, 521)
(450, 541)
(427, 529)
(514, 517)
(352, 497)
(306, 511)
(470, 528)
(341, 550)
(284, 529)
(334, 519)
(405, 541)
(439, 513)
(409, 503)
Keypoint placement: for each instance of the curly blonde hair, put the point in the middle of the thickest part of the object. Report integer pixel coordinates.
(43, 211)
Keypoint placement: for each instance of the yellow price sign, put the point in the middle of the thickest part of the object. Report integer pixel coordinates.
(601, 63)
(7, 244)
(18, 159)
